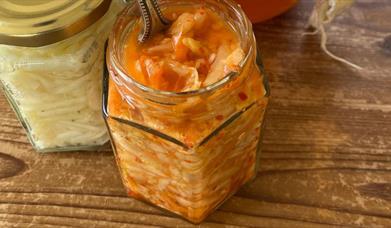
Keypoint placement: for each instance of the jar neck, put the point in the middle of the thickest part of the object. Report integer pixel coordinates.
(227, 9)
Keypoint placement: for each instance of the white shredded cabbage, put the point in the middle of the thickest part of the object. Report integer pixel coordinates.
(57, 88)
(323, 13)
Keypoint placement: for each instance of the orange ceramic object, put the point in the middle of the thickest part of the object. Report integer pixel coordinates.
(261, 10)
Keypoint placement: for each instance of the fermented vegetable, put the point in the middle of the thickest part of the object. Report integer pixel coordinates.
(324, 13)
(185, 109)
(190, 55)
(56, 89)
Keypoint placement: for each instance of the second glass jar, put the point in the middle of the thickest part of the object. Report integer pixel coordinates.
(51, 62)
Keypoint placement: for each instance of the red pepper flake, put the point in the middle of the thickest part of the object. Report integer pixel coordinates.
(219, 117)
(134, 194)
(130, 193)
(188, 141)
(137, 159)
(242, 96)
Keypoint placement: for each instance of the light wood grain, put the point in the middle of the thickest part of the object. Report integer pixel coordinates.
(326, 158)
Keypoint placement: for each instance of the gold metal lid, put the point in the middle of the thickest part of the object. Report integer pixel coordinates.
(34, 23)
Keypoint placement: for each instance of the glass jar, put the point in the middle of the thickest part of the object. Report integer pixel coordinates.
(189, 151)
(51, 62)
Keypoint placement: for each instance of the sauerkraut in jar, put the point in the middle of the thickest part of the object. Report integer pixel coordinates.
(51, 62)
(185, 109)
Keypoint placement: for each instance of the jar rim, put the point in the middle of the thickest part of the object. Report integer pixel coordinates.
(112, 57)
(40, 23)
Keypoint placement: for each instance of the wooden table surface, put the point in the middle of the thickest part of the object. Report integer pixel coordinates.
(326, 157)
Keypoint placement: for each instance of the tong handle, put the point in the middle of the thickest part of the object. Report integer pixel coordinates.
(154, 21)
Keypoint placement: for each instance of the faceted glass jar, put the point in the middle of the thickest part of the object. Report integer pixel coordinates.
(55, 89)
(186, 152)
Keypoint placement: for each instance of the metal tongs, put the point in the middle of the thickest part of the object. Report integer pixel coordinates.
(154, 21)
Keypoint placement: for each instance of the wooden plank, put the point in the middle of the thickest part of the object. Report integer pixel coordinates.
(326, 151)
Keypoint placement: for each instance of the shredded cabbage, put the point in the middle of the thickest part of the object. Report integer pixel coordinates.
(323, 13)
(57, 88)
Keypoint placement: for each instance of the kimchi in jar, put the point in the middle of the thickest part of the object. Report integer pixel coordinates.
(185, 109)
